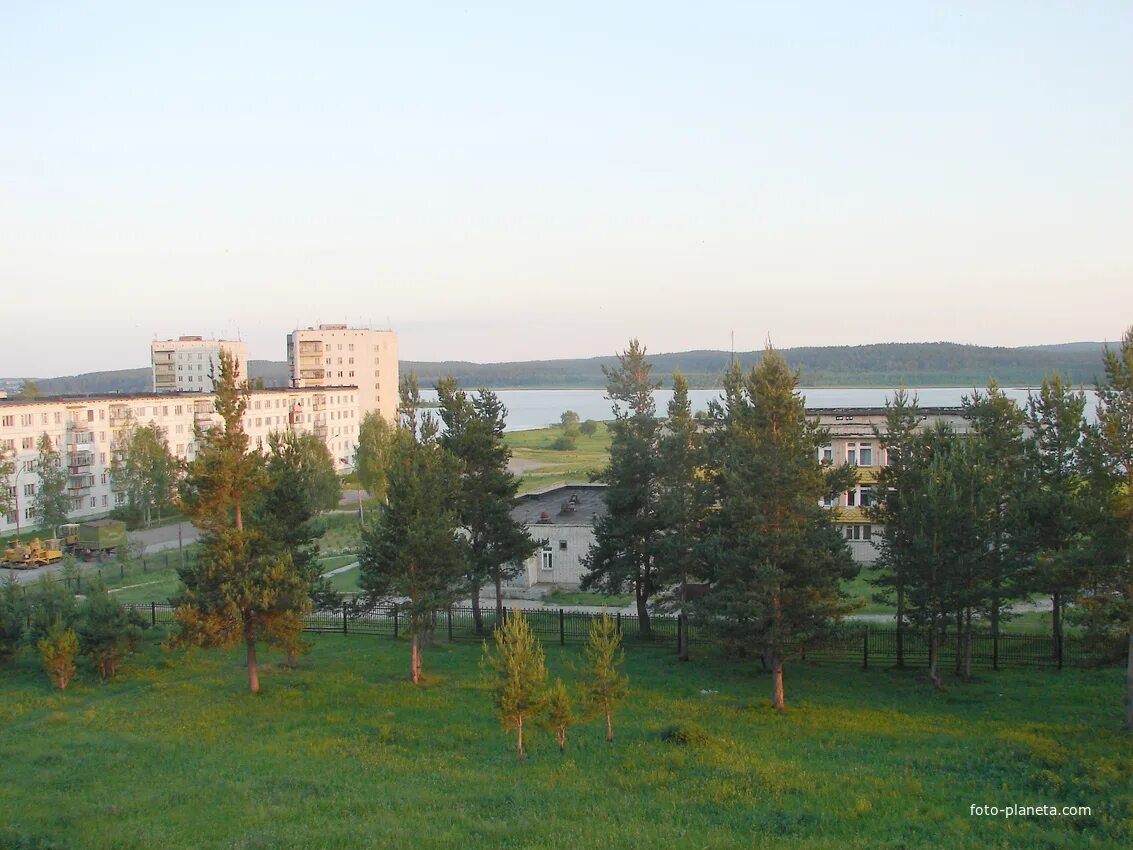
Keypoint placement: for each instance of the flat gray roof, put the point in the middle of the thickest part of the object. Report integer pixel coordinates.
(570, 504)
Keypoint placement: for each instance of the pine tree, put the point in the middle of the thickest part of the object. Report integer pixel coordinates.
(559, 715)
(894, 547)
(497, 543)
(775, 559)
(1112, 445)
(14, 612)
(604, 686)
(107, 631)
(411, 551)
(518, 675)
(1058, 523)
(58, 650)
(242, 587)
(624, 536)
(684, 499)
(52, 502)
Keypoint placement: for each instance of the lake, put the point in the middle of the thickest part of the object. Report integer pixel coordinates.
(529, 409)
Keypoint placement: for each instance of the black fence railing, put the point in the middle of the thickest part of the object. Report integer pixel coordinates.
(853, 642)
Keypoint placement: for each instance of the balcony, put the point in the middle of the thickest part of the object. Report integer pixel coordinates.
(80, 483)
(312, 374)
(320, 431)
(310, 348)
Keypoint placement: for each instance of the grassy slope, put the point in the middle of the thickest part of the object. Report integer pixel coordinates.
(554, 466)
(345, 753)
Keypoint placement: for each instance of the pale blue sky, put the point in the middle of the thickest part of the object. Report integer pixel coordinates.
(527, 180)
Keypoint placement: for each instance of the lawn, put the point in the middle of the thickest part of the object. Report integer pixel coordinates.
(583, 597)
(343, 752)
(546, 467)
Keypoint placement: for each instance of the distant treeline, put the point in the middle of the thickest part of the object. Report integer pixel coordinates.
(940, 364)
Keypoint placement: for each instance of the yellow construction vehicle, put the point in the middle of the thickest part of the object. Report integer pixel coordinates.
(35, 554)
(68, 535)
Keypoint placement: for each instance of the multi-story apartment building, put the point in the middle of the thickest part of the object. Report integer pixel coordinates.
(86, 431)
(186, 364)
(853, 441)
(337, 355)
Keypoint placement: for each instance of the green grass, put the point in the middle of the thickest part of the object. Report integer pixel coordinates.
(581, 597)
(555, 466)
(345, 753)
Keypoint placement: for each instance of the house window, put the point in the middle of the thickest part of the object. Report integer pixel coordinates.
(859, 532)
(851, 498)
(852, 454)
(865, 454)
(562, 545)
(548, 557)
(867, 497)
(826, 454)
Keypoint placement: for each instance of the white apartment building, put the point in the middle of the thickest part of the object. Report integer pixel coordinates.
(185, 364)
(337, 355)
(85, 431)
(853, 441)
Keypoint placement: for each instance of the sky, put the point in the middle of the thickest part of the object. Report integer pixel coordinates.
(510, 181)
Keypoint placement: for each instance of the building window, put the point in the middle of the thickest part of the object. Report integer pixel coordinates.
(859, 532)
(563, 545)
(548, 557)
(865, 454)
(852, 454)
(851, 498)
(826, 454)
(29, 489)
(867, 497)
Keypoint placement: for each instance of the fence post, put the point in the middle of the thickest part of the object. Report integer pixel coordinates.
(344, 627)
(450, 624)
(562, 627)
(619, 622)
(1058, 649)
(395, 621)
(865, 648)
(995, 650)
(153, 614)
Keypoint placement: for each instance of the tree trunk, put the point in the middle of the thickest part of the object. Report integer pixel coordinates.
(477, 614)
(560, 734)
(253, 668)
(778, 698)
(1129, 664)
(643, 626)
(609, 727)
(499, 582)
(415, 660)
(519, 739)
(968, 645)
(1056, 618)
(900, 623)
(933, 653)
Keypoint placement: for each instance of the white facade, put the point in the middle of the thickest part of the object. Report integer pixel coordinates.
(336, 355)
(187, 363)
(852, 440)
(86, 430)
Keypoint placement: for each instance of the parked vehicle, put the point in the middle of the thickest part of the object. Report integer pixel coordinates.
(38, 553)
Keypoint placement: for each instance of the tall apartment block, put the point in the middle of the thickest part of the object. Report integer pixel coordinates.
(184, 365)
(340, 356)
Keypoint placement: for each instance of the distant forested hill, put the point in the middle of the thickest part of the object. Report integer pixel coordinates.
(939, 364)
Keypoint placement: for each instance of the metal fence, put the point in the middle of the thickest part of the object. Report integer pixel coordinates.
(865, 644)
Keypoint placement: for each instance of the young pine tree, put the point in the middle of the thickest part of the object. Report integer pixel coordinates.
(518, 675)
(58, 650)
(107, 631)
(559, 715)
(604, 686)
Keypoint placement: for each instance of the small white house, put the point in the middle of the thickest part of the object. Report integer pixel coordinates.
(563, 518)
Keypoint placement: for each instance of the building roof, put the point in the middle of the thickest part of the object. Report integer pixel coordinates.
(568, 504)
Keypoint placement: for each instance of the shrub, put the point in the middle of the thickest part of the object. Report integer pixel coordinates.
(58, 651)
(685, 735)
(13, 616)
(565, 443)
(559, 716)
(589, 428)
(107, 631)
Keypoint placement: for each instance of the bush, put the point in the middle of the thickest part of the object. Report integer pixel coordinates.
(569, 419)
(565, 443)
(685, 735)
(107, 631)
(588, 428)
(58, 651)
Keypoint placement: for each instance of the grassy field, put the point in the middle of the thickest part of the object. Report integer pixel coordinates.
(582, 597)
(343, 752)
(551, 466)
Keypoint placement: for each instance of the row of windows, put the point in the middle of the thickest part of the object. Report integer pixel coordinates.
(857, 454)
